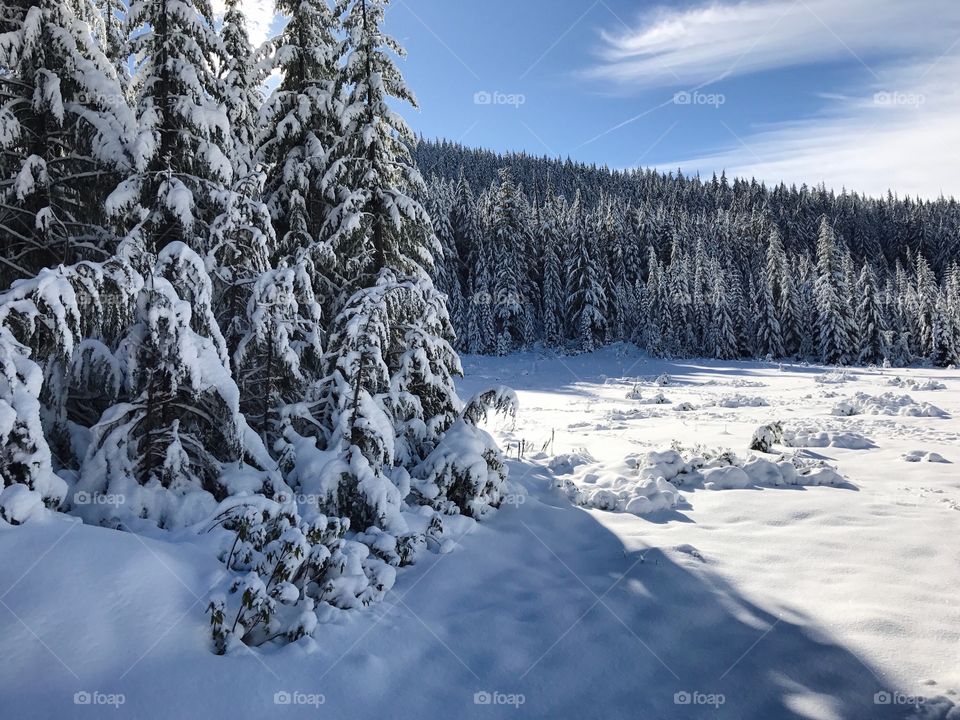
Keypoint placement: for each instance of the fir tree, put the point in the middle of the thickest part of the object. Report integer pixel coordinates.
(585, 295)
(871, 325)
(65, 127)
(833, 318)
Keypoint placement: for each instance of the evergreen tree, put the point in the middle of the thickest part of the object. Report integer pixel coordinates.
(871, 325)
(769, 338)
(724, 334)
(180, 166)
(554, 278)
(585, 296)
(300, 126)
(508, 238)
(65, 127)
(833, 320)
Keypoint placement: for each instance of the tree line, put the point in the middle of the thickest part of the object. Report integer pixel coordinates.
(581, 256)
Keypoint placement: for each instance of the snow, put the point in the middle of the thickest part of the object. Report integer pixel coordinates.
(812, 597)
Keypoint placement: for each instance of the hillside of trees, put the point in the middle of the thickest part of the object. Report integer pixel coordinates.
(574, 256)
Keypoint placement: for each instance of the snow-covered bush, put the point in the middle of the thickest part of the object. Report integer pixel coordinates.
(766, 436)
(284, 568)
(25, 457)
(465, 473)
(885, 404)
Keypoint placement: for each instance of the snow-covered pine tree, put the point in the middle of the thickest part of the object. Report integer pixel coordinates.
(924, 306)
(180, 165)
(871, 323)
(116, 42)
(725, 344)
(377, 223)
(281, 352)
(508, 239)
(165, 446)
(610, 266)
(944, 350)
(769, 337)
(65, 128)
(446, 263)
(585, 296)
(390, 365)
(832, 297)
(783, 289)
(481, 331)
(655, 311)
(240, 89)
(552, 236)
(301, 123)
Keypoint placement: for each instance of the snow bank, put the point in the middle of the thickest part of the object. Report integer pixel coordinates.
(886, 404)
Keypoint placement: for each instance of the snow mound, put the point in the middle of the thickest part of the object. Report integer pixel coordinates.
(568, 462)
(923, 456)
(18, 503)
(837, 377)
(916, 385)
(766, 436)
(812, 437)
(737, 401)
(636, 394)
(886, 404)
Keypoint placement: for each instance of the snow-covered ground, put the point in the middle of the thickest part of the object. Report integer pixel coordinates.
(825, 586)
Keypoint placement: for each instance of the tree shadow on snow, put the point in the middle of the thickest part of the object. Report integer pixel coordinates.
(591, 628)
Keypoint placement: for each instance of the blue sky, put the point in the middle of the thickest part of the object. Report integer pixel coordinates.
(862, 94)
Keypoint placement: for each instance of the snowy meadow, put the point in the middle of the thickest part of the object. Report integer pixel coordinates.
(733, 589)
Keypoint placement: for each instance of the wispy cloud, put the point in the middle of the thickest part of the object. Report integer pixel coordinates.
(710, 42)
(897, 127)
(901, 134)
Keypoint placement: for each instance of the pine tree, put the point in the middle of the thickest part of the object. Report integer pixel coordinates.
(585, 296)
(178, 423)
(871, 325)
(65, 128)
(508, 239)
(180, 164)
(769, 338)
(240, 81)
(724, 333)
(301, 124)
(376, 223)
(281, 353)
(944, 350)
(554, 278)
(833, 318)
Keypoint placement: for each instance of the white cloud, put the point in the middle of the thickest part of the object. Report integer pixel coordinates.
(901, 134)
(907, 141)
(707, 43)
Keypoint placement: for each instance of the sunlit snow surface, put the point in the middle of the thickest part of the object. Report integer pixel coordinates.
(706, 596)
